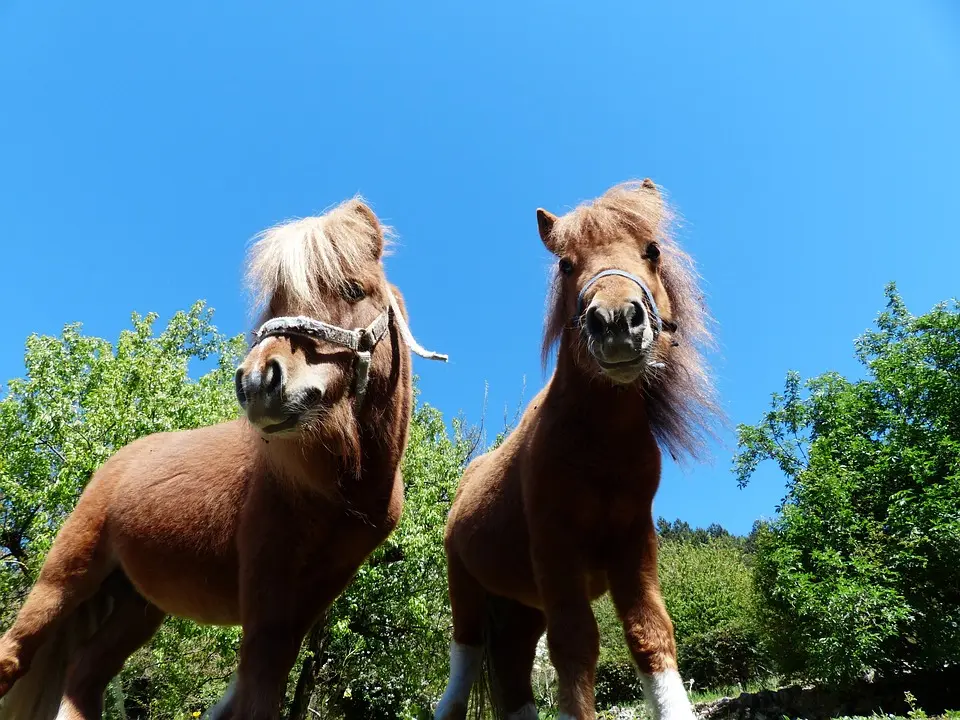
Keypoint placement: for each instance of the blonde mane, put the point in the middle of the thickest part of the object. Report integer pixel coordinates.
(681, 397)
(301, 257)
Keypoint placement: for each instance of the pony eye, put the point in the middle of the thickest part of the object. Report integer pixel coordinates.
(653, 251)
(353, 291)
(566, 267)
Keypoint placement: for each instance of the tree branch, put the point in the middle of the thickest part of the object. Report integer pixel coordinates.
(309, 673)
(54, 450)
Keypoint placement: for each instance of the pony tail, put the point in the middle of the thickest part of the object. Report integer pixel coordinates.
(37, 695)
(484, 695)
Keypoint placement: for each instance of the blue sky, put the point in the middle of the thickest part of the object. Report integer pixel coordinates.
(811, 148)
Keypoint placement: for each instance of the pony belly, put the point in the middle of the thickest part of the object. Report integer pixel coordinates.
(205, 592)
(186, 569)
(500, 563)
(189, 574)
(173, 520)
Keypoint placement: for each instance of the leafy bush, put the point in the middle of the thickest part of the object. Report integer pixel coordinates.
(617, 683)
(859, 573)
(724, 656)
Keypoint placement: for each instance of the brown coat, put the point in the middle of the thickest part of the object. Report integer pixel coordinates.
(561, 512)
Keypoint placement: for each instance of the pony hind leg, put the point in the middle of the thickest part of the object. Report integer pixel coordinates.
(572, 634)
(468, 602)
(79, 561)
(132, 622)
(635, 590)
(513, 632)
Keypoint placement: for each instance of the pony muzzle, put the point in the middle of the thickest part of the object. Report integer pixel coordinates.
(261, 393)
(619, 334)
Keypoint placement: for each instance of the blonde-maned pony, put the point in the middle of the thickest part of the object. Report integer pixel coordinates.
(562, 511)
(261, 521)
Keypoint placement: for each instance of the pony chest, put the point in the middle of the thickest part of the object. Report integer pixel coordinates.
(591, 504)
(600, 512)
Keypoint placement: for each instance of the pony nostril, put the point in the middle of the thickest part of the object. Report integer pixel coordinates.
(595, 323)
(238, 387)
(313, 396)
(634, 314)
(272, 377)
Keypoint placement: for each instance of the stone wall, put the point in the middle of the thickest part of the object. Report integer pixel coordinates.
(935, 692)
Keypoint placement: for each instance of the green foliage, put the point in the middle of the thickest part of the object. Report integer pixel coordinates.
(708, 589)
(616, 682)
(729, 655)
(859, 572)
(680, 531)
(186, 667)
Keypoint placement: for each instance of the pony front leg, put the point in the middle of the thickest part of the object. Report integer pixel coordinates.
(572, 635)
(275, 621)
(635, 590)
(267, 654)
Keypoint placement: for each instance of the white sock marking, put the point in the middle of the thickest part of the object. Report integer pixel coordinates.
(666, 696)
(465, 663)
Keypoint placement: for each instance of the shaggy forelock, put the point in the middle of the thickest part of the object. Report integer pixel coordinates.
(300, 257)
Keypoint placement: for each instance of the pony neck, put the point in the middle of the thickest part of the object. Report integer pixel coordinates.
(586, 396)
(303, 464)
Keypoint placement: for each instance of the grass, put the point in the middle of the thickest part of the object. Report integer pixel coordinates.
(732, 691)
(913, 715)
(637, 711)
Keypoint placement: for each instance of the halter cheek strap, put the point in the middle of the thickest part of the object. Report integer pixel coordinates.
(656, 321)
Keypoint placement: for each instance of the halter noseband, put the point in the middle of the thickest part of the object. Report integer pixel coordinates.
(652, 309)
(361, 341)
(656, 321)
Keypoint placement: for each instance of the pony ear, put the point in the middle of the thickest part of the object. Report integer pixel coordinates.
(545, 222)
(650, 188)
(369, 218)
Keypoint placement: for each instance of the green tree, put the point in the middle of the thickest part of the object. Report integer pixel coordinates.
(708, 590)
(681, 531)
(859, 573)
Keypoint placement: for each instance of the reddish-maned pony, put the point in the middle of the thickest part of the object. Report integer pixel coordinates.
(261, 521)
(561, 512)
